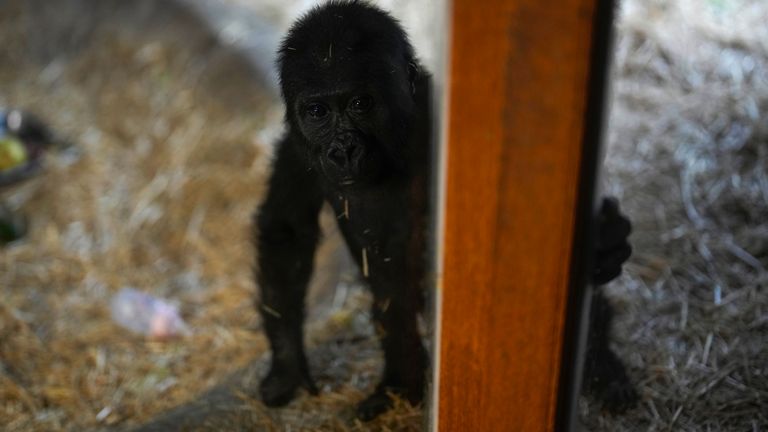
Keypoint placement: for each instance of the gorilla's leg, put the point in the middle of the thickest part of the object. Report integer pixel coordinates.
(288, 231)
(405, 359)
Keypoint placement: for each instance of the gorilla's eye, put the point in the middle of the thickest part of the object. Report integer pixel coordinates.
(317, 110)
(361, 104)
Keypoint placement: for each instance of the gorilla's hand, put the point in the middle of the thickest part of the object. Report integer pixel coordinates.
(612, 247)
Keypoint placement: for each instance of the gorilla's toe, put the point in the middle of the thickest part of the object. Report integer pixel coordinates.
(279, 386)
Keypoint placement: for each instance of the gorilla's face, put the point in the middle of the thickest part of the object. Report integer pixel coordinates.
(345, 129)
(346, 74)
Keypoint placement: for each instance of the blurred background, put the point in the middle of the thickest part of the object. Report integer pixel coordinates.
(169, 110)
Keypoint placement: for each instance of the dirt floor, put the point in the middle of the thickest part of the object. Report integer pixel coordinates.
(173, 131)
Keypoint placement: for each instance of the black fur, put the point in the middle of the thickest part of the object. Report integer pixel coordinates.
(604, 374)
(357, 115)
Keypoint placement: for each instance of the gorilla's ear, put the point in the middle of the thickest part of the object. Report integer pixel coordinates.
(414, 71)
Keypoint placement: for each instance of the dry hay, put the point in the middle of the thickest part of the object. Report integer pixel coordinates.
(688, 158)
(159, 199)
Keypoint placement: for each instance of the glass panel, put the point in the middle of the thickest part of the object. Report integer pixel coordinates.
(137, 140)
(687, 160)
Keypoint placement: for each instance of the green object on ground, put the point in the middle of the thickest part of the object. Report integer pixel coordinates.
(12, 153)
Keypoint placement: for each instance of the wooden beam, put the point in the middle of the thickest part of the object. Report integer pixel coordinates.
(518, 103)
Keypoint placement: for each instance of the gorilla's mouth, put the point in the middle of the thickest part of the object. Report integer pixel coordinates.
(343, 179)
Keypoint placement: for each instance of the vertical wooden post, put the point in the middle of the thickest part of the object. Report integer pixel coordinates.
(518, 102)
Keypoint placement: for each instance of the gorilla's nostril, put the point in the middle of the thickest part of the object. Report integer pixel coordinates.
(337, 156)
(345, 154)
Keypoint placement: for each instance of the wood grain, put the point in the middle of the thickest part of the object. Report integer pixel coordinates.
(518, 80)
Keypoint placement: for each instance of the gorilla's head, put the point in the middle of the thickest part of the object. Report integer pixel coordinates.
(347, 75)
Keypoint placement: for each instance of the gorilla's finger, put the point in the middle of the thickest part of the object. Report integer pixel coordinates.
(609, 207)
(612, 232)
(608, 265)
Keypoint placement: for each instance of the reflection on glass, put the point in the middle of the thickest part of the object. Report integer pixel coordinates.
(688, 158)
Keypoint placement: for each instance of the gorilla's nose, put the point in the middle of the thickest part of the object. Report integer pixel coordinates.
(345, 153)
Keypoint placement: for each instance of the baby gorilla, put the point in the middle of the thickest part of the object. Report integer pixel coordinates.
(357, 114)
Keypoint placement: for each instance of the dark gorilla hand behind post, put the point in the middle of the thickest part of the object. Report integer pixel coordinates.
(605, 375)
(357, 114)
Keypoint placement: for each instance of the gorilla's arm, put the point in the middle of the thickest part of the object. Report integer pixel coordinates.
(605, 376)
(286, 238)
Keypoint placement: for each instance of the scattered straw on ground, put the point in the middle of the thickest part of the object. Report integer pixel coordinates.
(158, 199)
